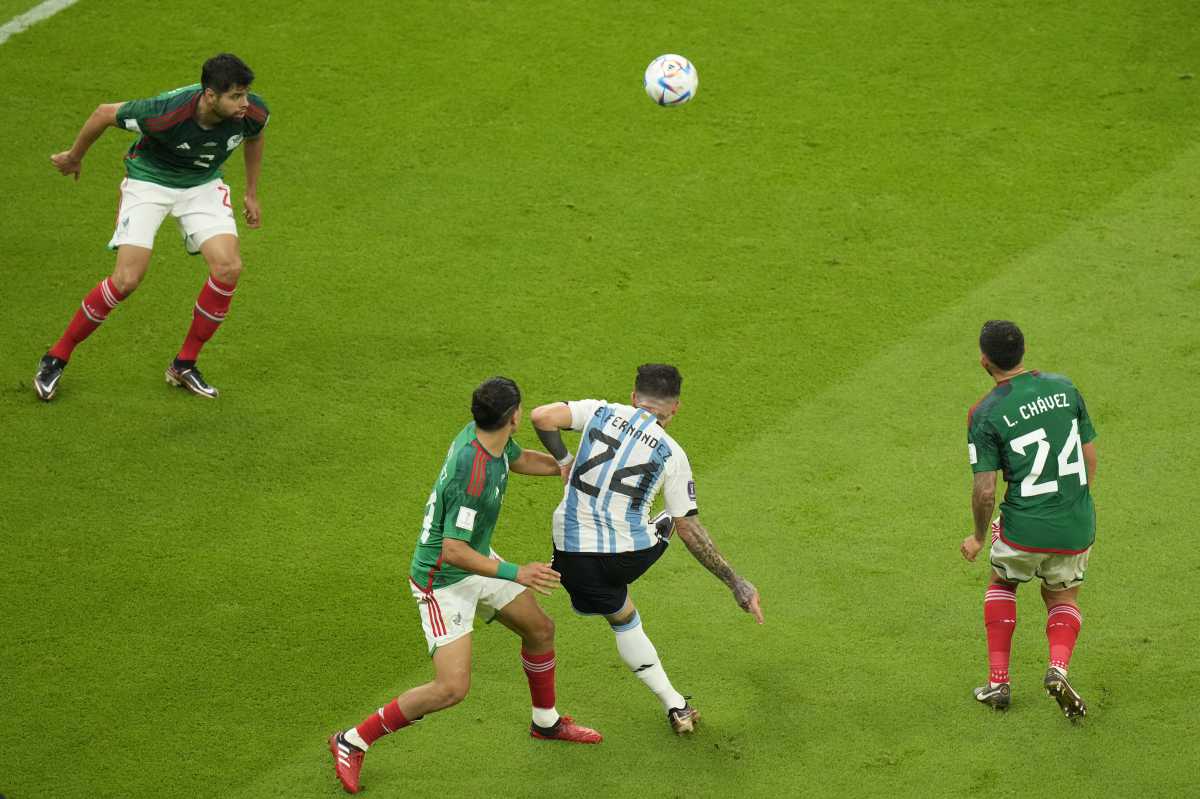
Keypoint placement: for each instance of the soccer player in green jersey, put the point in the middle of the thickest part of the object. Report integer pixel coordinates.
(174, 167)
(456, 574)
(1035, 428)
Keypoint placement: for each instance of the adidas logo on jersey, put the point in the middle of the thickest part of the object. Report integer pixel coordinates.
(184, 146)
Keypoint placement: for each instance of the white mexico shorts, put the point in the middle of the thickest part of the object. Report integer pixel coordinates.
(448, 613)
(201, 212)
(1058, 571)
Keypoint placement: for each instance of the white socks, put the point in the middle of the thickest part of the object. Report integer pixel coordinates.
(641, 657)
(545, 716)
(353, 737)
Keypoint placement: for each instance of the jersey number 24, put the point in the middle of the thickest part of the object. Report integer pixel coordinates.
(1030, 487)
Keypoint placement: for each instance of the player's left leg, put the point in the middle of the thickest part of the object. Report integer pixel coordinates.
(225, 267)
(639, 654)
(206, 220)
(525, 617)
(1063, 622)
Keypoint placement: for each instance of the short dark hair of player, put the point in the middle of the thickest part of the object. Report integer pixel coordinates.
(658, 380)
(224, 71)
(494, 403)
(1002, 342)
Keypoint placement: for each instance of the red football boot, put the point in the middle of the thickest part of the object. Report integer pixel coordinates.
(347, 761)
(565, 729)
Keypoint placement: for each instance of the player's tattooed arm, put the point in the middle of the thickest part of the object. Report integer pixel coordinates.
(983, 502)
(696, 538)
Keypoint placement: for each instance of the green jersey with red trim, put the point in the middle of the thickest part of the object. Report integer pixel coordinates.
(173, 150)
(1033, 427)
(465, 504)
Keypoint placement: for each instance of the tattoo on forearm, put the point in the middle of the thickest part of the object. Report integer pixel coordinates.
(701, 545)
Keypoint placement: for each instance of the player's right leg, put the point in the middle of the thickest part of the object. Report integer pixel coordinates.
(449, 686)
(132, 263)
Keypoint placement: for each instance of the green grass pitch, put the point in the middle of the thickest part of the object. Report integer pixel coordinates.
(194, 594)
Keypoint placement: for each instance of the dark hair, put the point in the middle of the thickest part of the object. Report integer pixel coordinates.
(1002, 342)
(658, 380)
(494, 403)
(224, 71)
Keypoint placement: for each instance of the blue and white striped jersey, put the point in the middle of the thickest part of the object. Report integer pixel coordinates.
(625, 458)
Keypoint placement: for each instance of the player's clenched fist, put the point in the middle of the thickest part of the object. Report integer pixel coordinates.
(538, 576)
(67, 165)
(970, 547)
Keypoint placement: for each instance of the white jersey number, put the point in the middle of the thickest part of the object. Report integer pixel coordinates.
(1030, 487)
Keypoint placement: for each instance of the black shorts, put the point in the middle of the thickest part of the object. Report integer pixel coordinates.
(598, 583)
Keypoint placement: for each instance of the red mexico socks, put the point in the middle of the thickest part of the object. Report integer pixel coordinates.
(383, 721)
(94, 309)
(1000, 619)
(209, 313)
(1062, 629)
(539, 670)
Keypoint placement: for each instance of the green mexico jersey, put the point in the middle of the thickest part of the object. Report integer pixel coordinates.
(173, 150)
(1033, 427)
(465, 504)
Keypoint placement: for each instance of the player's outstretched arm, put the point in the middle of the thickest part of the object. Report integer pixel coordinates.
(550, 421)
(983, 502)
(253, 154)
(538, 464)
(538, 576)
(70, 162)
(696, 538)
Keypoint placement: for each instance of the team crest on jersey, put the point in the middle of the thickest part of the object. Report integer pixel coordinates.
(234, 141)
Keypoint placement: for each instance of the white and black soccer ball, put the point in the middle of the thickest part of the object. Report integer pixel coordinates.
(671, 80)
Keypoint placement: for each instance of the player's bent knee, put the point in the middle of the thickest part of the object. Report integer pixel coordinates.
(127, 279)
(452, 692)
(228, 270)
(543, 631)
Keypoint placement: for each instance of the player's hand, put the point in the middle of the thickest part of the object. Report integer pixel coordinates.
(970, 547)
(66, 164)
(252, 211)
(565, 470)
(746, 596)
(538, 576)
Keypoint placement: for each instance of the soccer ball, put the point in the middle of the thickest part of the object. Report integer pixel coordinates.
(671, 80)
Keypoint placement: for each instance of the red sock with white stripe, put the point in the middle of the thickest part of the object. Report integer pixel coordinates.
(387, 719)
(539, 670)
(1062, 630)
(209, 312)
(94, 309)
(1000, 619)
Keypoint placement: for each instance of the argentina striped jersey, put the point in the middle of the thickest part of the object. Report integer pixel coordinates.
(625, 458)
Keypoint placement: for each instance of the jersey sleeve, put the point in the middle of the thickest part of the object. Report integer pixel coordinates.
(257, 117)
(679, 487)
(513, 450)
(133, 114)
(1087, 432)
(582, 411)
(983, 446)
(458, 520)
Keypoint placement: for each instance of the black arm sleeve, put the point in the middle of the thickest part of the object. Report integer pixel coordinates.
(552, 441)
